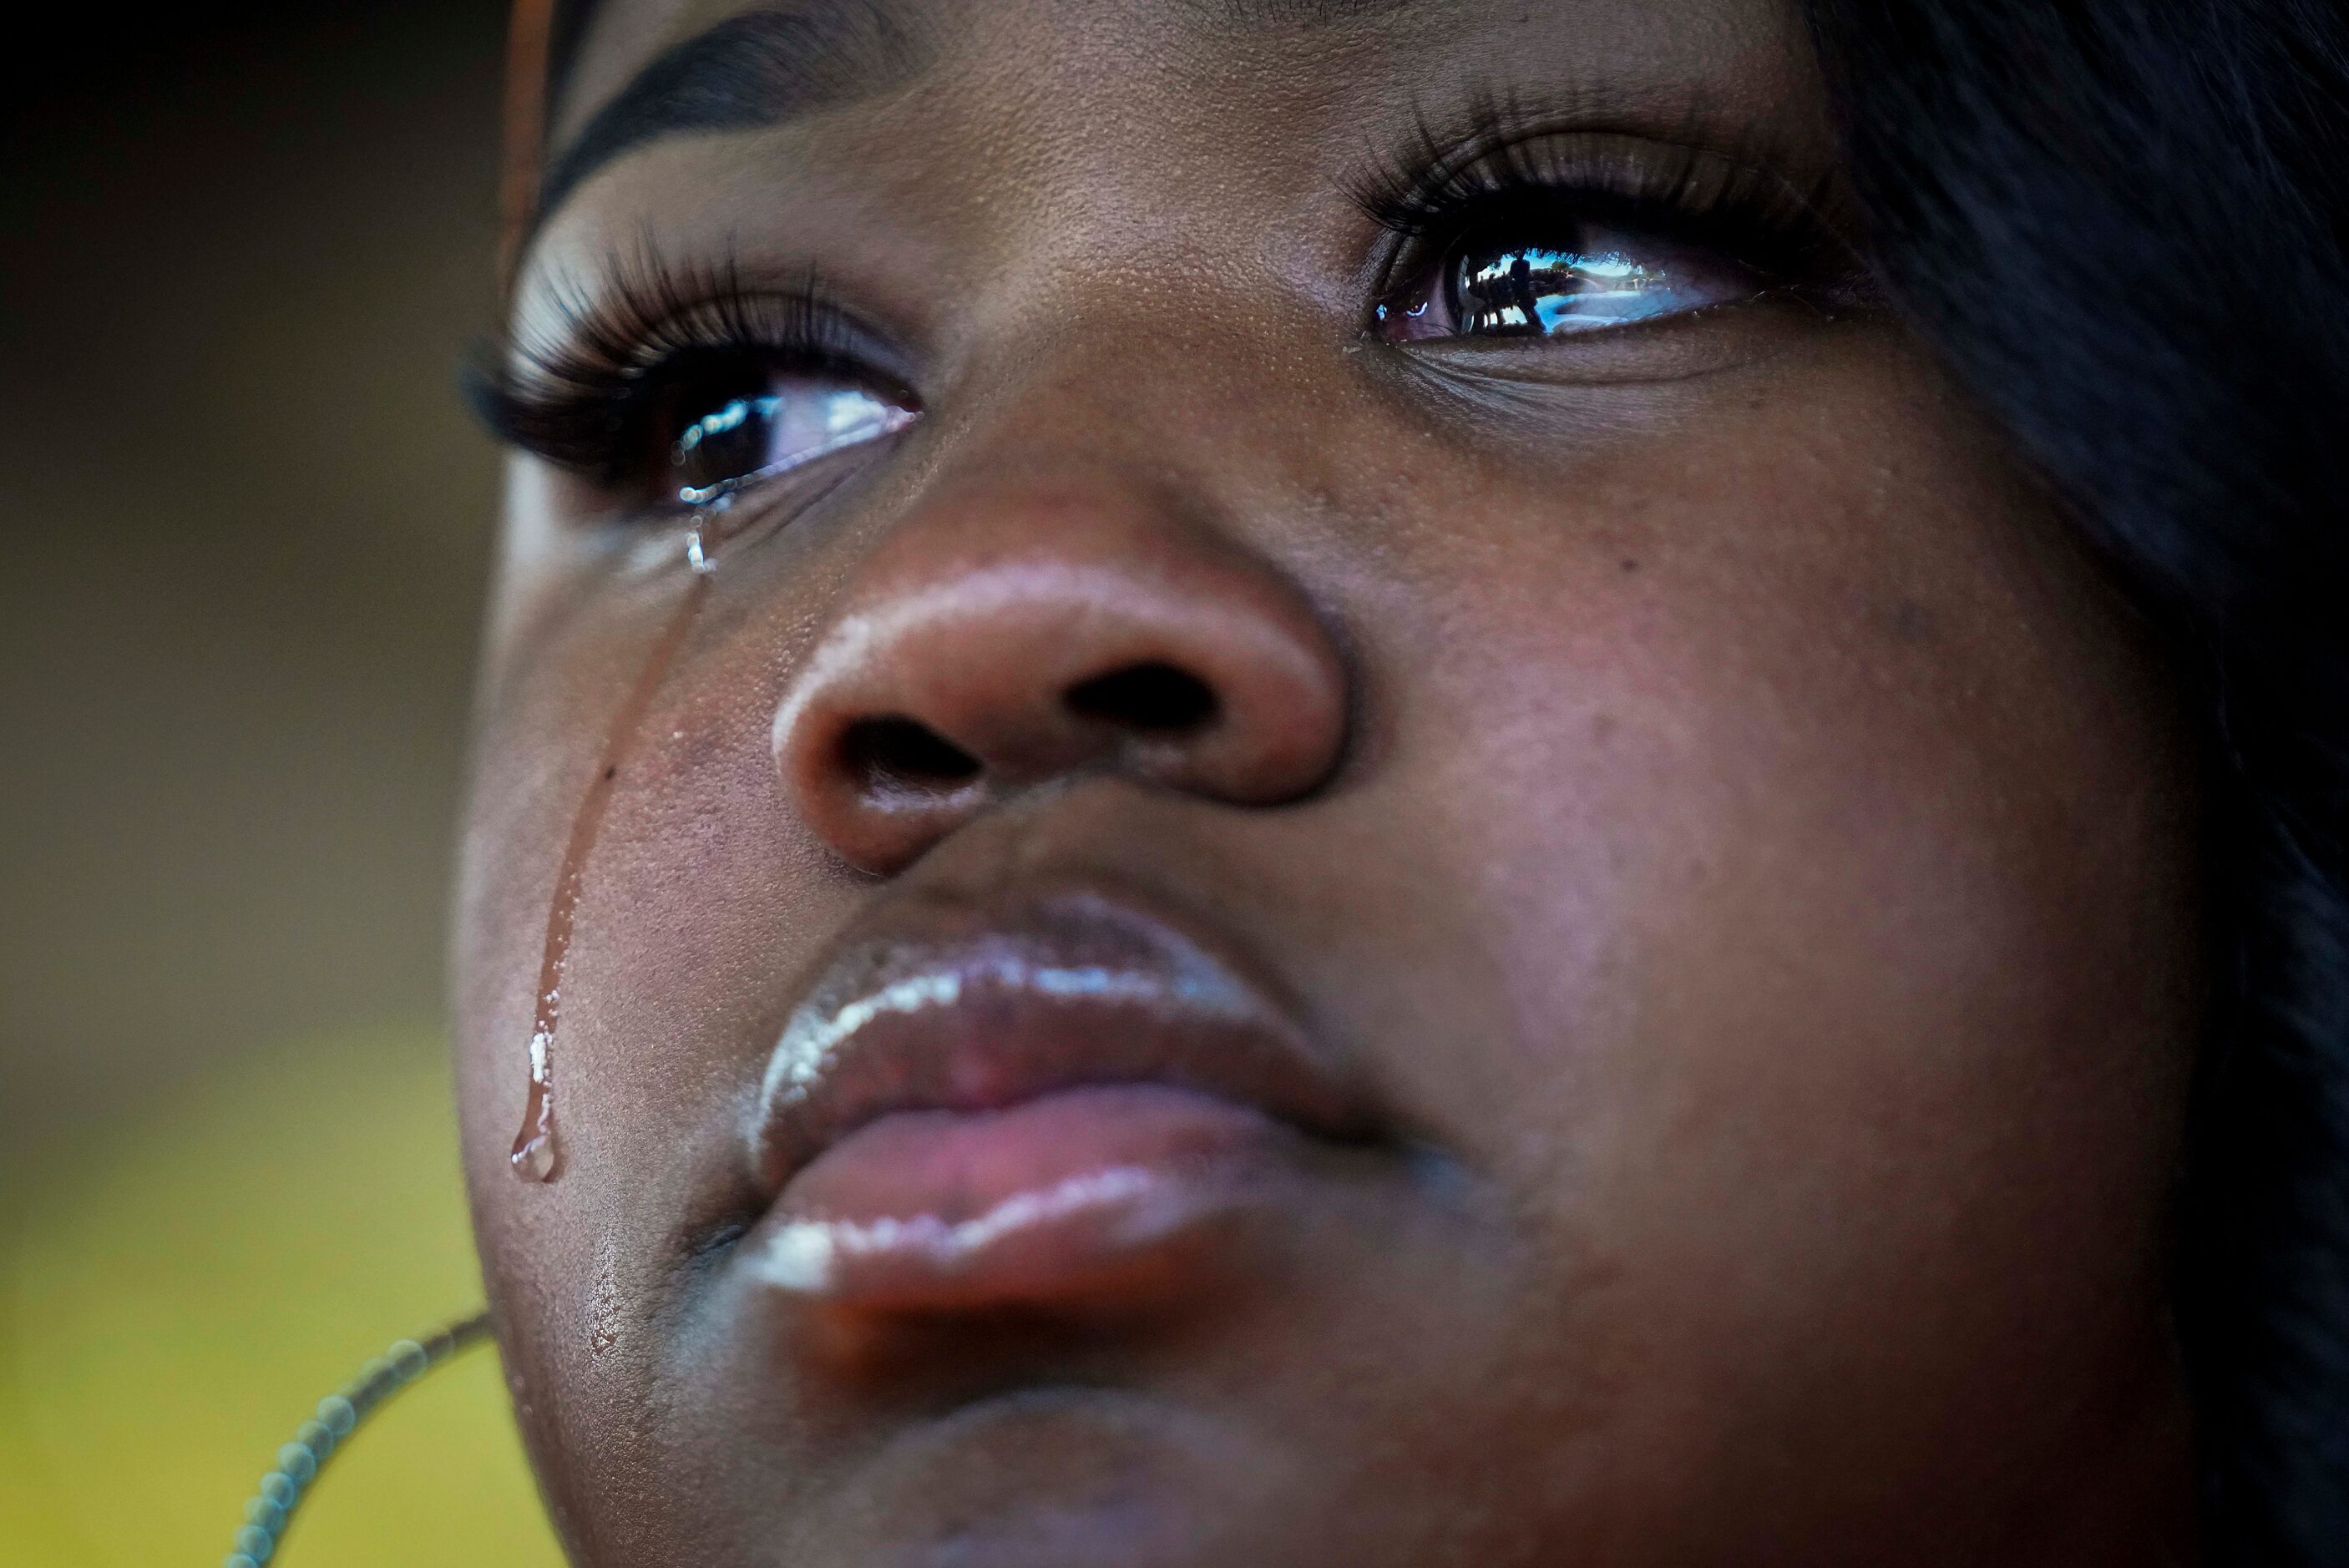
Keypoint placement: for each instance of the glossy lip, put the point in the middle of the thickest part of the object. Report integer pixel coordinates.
(951, 1023)
(1131, 1069)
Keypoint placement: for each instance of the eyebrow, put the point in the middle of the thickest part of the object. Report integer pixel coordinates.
(758, 69)
(1268, 14)
(766, 67)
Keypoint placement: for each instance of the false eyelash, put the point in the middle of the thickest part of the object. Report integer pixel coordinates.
(1500, 154)
(586, 395)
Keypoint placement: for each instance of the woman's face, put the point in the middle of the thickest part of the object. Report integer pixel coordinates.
(1382, 839)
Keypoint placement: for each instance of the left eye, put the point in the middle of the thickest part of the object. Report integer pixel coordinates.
(1595, 278)
(730, 442)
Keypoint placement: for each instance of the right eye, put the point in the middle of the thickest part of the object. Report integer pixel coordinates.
(727, 432)
(679, 388)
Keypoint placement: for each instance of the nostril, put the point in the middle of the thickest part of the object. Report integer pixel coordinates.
(1155, 699)
(903, 756)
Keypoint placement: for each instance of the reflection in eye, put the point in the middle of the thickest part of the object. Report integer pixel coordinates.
(1605, 278)
(1560, 291)
(795, 420)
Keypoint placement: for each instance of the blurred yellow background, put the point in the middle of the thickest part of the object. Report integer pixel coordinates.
(244, 249)
(183, 1298)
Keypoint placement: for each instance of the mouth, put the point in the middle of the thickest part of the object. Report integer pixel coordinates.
(1034, 1109)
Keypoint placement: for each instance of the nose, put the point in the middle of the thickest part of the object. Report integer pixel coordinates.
(1002, 643)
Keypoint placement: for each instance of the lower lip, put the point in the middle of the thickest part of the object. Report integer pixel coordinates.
(1078, 1194)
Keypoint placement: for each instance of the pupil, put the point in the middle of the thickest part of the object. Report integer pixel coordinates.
(1499, 295)
(730, 440)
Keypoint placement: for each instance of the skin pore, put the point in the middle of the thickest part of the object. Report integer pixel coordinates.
(1713, 861)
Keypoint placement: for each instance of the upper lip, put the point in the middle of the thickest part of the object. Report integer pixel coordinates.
(980, 1009)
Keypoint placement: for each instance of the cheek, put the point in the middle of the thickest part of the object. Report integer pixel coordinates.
(1824, 839)
(699, 889)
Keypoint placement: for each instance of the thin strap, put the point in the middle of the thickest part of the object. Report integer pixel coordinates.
(338, 1414)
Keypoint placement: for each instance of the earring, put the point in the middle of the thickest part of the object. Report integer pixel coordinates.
(338, 1414)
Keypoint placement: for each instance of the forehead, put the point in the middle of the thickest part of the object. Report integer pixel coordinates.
(630, 73)
(599, 45)
(596, 42)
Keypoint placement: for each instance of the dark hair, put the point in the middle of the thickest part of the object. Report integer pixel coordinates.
(2123, 225)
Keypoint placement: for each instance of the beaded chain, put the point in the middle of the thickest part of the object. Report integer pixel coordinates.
(338, 1414)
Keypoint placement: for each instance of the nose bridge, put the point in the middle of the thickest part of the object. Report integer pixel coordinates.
(1018, 627)
(1122, 380)
(1116, 306)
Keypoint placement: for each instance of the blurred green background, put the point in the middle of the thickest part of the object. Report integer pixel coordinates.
(243, 248)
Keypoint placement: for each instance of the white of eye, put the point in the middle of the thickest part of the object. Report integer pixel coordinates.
(806, 419)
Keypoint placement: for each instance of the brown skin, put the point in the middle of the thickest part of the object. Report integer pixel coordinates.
(1738, 845)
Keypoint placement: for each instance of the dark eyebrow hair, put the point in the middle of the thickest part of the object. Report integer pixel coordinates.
(1294, 13)
(763, 67)
(760, 68)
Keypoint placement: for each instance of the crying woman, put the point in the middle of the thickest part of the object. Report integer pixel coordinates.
(1386, 783)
